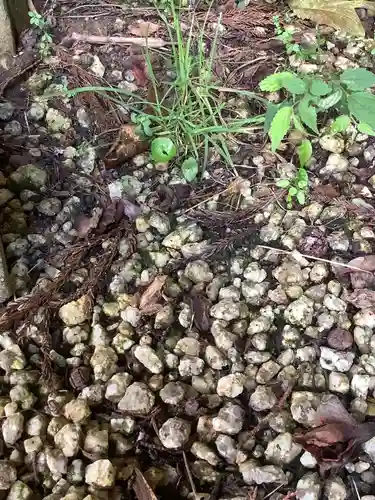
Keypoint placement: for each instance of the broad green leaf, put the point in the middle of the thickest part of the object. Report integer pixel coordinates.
(365, 129)
(308, 115)
(340, 124)
(301, 198)
(357, 78)
(163, 149)
(320, 88)
(280, 126)
(271, 111)
(283, 183)
(294, 85)
(362, 106)
(298, 124)
(329, 101)
(304, 152)
(272, 83)
(293, 191)
(189, 169)
(340, 14)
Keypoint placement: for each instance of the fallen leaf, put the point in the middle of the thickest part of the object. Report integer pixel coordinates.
(141, 487)
(127, 145)
(200, 308)
(361, 298)
(84, 224)
(112, 214)
(140, 73)
(364, 263)
(340, 14)
(143, 28)
(339, 438)
(149, 302)
(326, 191)
(131, 210)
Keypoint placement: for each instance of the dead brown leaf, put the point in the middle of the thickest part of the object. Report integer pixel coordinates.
(365, 263)
(200, 307)
(112, 214)
(84, 224)
(339, 438)
(127, 144)
(361, 298)
(141, 487)
(143, 28)
(149, 302)
(361, 271)
(326, 191)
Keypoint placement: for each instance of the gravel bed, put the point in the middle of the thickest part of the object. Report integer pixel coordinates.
(180, 359)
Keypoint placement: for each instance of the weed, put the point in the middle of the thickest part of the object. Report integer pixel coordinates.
(306, 96)
(308, 48)
(45, 38)
(189, 116)
(298, 186)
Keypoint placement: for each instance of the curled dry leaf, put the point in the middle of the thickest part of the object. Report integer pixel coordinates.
(339, 437)
(340, 14)
(361, 271)
(200, 308)
(127, 144)
(84, 224)
(112, 214)
(149, 302)
(364, 263)
(143, 28)
(142, 489)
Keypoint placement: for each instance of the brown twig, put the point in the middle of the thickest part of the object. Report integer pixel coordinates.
(156, 43)
(190, 477)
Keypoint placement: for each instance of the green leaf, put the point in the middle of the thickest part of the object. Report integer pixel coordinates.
(298, 124)
(283, 183)
(294, 85)
(308, 115)
(362, 106)
(329, 101)
(340, 14)
(292, 191)
(272, 83)
(304, 152)
(146, 127)
(357, 78)
(189, 169)
(340, 124)
(365, 129)
(163, 149)
(301, 198)
(280, 126)
(271, 111)
(320, 88)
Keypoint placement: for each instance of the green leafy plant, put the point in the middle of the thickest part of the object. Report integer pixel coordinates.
(308, 96)
(45, 38)
(288, 36)
(188, 118)
(298, 186)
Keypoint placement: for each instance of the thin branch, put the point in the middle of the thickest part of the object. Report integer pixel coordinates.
(331, 262)
(118, 40)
